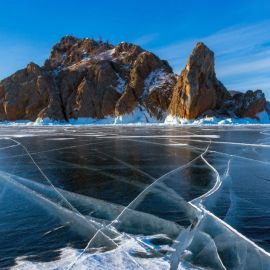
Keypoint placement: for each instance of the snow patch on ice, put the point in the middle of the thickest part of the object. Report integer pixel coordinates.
(116, 259)
(263, 118)
(91, 121)
(46, 122)
(138, 116)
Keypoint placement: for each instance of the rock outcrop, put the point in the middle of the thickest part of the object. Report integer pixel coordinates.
(249, 104)
(87, 78)
(28, 94)
(94, 79)
(199, 93)
(197, 89)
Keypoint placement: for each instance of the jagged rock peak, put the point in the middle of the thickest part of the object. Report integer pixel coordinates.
(33, 68)
(70, 50)
(197, 89)
(88, 78)
(94, 79)
(202, 60)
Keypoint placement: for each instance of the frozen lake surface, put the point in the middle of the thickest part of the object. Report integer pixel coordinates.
(135, 197)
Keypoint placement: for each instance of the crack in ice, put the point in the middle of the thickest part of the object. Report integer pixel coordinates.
(133, 202)
(61, 195)
(162, 185)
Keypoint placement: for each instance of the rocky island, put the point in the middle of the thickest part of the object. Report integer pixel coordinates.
(84, 78)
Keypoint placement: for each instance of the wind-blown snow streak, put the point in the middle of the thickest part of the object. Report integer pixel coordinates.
(202, 141)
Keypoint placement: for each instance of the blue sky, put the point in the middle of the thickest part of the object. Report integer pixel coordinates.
(237, 31)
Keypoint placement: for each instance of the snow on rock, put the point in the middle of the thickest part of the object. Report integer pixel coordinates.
(117, 259)
(157, 79)
(138, 116)
(107, 55)
(263, 118)
(141, 117)
(121, 85)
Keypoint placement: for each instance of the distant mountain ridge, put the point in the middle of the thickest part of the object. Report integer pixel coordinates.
(84, 78)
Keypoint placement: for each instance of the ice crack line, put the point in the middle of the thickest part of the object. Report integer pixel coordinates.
(224, 154)
(61, 195)
(265, 132)
(128, 165)
(200, 208)
(232, 143)
(217, 183)
(132, 203)
(10, 146)
(51, 150)
(45, 176)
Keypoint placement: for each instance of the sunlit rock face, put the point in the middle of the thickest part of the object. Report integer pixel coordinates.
(149, 84)
(249, 103)
(84, 78)
(88, 78)
(197, 89)
(199, 93)
(28, 94)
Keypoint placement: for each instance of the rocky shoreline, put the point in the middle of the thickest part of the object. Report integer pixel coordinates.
(88, 79)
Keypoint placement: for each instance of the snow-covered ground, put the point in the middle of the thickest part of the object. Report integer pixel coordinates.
(141, 117)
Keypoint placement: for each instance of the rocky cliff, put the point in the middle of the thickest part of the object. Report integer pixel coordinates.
(197, 89)
(94, 79)
(198, 92)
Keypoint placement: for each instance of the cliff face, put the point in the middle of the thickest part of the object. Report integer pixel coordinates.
(86, 78)
(28, 94)
(197, 89)
(199, 93)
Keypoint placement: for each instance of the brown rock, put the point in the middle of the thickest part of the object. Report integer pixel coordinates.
(91, 93)
(71, 50)
(25, 94)
(249, 104)
(88, 78)
(145, 73)
(197, 89)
